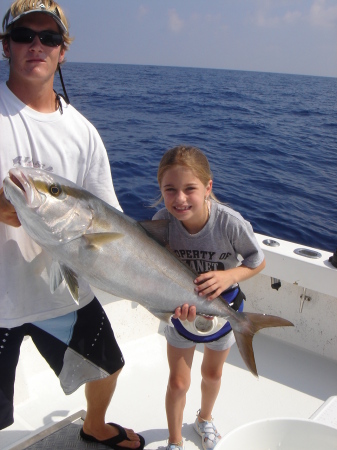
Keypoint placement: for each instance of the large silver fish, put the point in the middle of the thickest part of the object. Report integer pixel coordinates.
(114, 253)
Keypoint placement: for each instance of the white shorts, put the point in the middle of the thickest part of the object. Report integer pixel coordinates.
(176, 340)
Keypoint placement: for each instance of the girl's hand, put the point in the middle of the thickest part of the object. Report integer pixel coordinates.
(7, 211)
(185, 312)
(212, 284)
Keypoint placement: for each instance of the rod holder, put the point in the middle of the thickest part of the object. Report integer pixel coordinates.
(304, 298)
(275, 283)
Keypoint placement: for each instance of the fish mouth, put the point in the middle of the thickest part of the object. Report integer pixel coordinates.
(16, 181)
(25, 186)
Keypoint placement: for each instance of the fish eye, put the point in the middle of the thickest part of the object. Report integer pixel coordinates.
(55, 190)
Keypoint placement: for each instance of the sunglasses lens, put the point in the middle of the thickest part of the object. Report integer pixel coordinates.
(50, 38)
(26, 36)
(22, 35)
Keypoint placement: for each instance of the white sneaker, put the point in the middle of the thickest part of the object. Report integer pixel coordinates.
(208, 432)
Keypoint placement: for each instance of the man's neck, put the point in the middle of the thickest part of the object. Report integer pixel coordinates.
(40, 97)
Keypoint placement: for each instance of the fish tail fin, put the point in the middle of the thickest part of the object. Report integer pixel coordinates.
(245, 329)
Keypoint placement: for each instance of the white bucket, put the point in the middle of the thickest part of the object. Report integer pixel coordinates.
(280, 434)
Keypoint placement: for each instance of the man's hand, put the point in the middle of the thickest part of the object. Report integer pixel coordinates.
(7, 211)
(186, 312)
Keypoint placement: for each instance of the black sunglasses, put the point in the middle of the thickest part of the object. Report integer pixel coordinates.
(26, 36)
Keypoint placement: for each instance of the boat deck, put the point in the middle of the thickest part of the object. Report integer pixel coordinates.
(292, 383)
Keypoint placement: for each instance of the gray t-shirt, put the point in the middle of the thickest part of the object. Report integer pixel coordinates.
(226, 241)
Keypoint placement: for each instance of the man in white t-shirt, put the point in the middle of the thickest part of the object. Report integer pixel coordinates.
(39, 128)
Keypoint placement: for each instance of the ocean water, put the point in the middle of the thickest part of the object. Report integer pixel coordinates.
(271, 139)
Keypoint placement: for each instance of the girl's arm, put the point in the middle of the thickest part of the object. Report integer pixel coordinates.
(212, 284)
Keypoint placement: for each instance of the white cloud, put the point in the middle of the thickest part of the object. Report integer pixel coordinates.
(175, 23)
(318, 14)
(142, 11)
(292, 16)
(263, 18)
(206, 22)
(322, 15)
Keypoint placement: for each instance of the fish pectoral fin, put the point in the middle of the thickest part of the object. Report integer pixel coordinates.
(71, 281)
(56, 276)
(96, 240)
(158, 229)
(60, 272)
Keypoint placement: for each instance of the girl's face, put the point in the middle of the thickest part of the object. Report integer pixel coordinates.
(184, 196)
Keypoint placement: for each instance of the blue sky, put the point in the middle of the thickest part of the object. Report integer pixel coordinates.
(287, 36)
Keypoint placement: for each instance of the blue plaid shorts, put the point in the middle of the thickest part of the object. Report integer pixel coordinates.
(79, 347)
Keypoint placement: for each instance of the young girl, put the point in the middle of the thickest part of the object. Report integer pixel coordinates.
(208, 236)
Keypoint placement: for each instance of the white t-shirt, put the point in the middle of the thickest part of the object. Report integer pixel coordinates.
(68, 145)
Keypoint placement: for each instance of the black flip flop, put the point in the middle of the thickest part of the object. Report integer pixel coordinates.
(114, 441)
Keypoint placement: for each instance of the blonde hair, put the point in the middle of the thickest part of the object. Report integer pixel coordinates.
(20, 6)
(186, 156)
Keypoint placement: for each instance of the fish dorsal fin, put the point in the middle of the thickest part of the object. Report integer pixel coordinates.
(60, 272)
(96, 240)
(158, 229)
